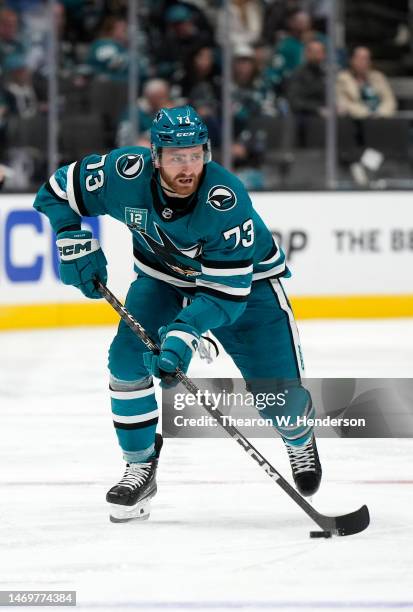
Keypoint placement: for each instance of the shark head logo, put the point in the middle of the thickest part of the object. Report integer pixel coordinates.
(221, 198)
(129, 166)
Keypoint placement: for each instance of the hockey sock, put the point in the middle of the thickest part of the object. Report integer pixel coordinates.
(135, 416)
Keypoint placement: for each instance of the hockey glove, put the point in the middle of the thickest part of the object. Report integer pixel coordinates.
(81, 260)
(178, 343)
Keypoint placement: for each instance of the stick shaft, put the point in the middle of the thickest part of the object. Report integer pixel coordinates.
(325, 522)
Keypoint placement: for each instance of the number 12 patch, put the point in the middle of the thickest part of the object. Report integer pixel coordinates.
(136, 218)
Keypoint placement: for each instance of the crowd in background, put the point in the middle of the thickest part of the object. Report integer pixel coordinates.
(279, 53)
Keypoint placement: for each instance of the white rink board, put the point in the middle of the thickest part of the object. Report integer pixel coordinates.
(30, 249)
(338, 244)
(357, 242)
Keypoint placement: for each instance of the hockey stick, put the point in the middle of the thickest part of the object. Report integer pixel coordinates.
(345, 524)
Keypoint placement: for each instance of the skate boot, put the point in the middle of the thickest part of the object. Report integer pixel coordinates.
(305, 466)
(130, 498)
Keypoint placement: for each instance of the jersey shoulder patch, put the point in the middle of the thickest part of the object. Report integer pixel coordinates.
(130, 162)
(223, 191)
(130, 165)
(221, 198)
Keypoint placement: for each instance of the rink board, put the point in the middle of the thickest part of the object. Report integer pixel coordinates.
(350, 255)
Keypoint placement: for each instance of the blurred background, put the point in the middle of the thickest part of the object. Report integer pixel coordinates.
(309, 102)
(297, 94)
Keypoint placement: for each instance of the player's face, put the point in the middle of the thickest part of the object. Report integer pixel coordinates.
(181, 168)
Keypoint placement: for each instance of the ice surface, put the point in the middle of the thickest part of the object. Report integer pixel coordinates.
(221, 536)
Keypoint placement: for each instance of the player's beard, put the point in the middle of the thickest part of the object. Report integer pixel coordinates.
(181, 184)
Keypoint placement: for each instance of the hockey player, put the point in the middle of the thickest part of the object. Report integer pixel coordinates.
(205, 261)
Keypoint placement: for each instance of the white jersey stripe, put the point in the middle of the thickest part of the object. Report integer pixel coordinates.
(56, 188)
(226, 271)
(136, 418)
(71, 191)
(268, 273)
(162, 276)
(272, 259)
(224, 288)
(276, 285)
(182, 283)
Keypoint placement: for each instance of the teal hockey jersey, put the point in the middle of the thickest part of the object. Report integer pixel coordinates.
(212, 249)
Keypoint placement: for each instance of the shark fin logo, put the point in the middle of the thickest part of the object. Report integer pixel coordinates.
(129, 166)
(222, 198)
(179, 260)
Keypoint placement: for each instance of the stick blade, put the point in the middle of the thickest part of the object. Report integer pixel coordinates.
(354, 522)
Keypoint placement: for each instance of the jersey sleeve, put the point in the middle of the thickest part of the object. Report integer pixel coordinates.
(74, 191)
(224, 285)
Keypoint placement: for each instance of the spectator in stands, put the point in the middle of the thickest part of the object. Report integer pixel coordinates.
(264, 61)
(202, 13)
(68, 64)
(276, 17)
(108, 55)
(19, 94)
(156, 95)
(33, 19)
(84, 19)
(362, 91)
(306, 89)
(10, 39)
(246, 23)
(177, 45)
(202, 76)
(290, 51)
(201, 86)
(319, 11)
(37, 55)
(251, 96)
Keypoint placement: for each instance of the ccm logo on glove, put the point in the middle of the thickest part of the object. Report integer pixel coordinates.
(81, 261)
(76, 247)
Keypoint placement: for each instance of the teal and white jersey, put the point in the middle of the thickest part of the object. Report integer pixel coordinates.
(212, 248)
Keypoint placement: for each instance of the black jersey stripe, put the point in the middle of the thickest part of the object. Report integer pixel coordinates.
(69, 228)
(53, 193)
(239, 263)
(78, 191)
(273, 251)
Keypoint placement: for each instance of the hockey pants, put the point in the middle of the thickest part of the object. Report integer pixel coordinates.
(263, 343)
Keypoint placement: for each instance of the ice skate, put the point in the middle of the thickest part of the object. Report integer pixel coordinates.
(305, 466)
(130, 498)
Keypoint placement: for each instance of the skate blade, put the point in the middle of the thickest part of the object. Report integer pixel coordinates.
(124, 514)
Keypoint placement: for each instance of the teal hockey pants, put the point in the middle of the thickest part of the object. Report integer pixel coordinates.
(263, 343)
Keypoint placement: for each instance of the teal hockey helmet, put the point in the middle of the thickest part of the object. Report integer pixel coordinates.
(180, 126)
